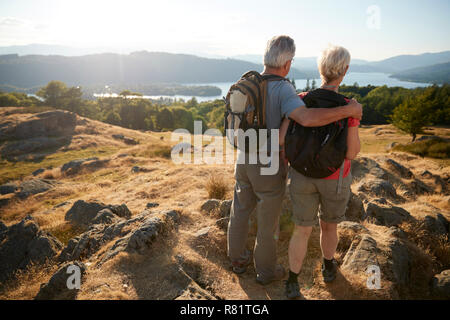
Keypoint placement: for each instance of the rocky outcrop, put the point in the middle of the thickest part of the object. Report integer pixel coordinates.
(399, 169)
(142, 237)
(378, 188)
(132, 235)
(75, 166)
(392, 258)
(362, 253)
(385, 214)
(440, 284)
(24, 243)
(355, 209)
(438, 225)
(84, 213)
(34, 186)
(57, 287)
(8, 188)
(50, 123)
(220, 208)
(127, 140)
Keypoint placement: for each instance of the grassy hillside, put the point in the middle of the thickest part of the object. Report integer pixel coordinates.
(153, 274)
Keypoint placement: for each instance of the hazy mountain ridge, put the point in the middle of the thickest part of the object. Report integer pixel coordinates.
(437, 73)
(110, 68)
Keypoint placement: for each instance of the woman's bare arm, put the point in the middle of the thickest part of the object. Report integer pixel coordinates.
(283, 131)
(353, 143)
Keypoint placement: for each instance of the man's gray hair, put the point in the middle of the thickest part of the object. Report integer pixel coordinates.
(279, 50)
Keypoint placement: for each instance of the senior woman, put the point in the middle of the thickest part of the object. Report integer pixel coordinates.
(314, 198)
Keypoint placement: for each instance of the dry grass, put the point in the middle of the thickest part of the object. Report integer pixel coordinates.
(438, 246)
(217, 187)
(25, 284)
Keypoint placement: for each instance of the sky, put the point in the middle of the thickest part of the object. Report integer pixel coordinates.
(371, 30)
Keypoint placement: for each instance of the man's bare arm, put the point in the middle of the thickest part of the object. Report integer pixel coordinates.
(317, 117)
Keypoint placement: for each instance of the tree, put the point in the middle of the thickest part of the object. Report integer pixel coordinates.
(411, 116)
(307, 88)
(313, 84)
(53, 93)
(164, 119)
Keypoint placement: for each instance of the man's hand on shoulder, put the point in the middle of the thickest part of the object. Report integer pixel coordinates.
(354, 109)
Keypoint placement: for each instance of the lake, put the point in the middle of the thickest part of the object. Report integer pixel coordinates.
(363, 79)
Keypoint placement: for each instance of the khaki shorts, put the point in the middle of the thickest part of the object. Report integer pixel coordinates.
(313, 198)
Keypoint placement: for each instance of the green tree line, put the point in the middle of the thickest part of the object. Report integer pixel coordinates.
(408, 109)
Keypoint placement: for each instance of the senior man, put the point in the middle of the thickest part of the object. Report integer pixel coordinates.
(265, 192)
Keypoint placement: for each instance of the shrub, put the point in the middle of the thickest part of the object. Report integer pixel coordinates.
(217, 187)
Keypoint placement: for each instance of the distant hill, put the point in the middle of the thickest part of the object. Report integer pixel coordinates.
(405, 62)
(132, 69)
(437, 73)
(390, 65)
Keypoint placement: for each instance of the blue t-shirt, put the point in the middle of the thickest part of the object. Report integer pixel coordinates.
(281, 100)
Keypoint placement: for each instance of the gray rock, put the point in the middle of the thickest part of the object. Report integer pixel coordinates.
(75, 166)
(127, 140)
(225, 207)
(438, 225)
(152, 205)
(34, 186)
(379, 188)
(222, 223)
(82, 213)
(362, 253)
(56, 288)
(353, 226)
(386, 215)
(50, 123)
(426, 174)
(355, 209)
(202, 233)
(121, 210)
(440, 284)
(38, 171)
(130, 141)
(361, 166)
(417, 187)
(105, 216)
(8, 188)
(379, 173)
(399, 169)
(396, 232)
(211, 206)
(23, 243)
(142, 237)
(132, 235)
(424, 138)
(399, 261)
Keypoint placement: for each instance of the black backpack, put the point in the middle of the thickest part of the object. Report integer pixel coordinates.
(245, 107)
(318, 152)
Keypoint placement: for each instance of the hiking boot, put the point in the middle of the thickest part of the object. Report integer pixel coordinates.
(240, 266)
(279, 275)
(292, 289)
(329, 274)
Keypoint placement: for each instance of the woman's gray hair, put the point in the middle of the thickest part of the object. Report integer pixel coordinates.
(333, 63)
(279, 50)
